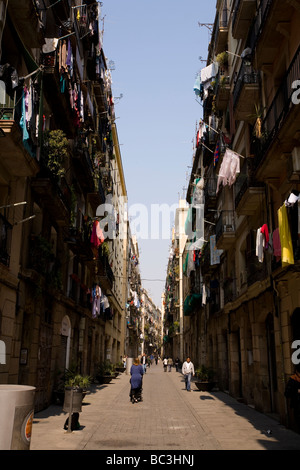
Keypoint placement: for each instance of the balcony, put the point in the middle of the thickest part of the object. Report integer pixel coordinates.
(243, 13)
(83, 165)
(25, 15)
(249, 194)
(221, 31)
(281, 120)
(105, 273)
(272, 23)
(222, 92)
(225, 230)
(256, 271)
(81, 21)
(246, 93)
(17, 153)
(53, 196)
(78, 240)
(97, 196)
(210, 193)
(56, 89)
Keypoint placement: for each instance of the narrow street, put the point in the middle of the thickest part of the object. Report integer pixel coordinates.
(169, 418)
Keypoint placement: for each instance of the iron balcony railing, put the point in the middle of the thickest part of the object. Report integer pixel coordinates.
(278, 110)
(259, 23)
(247, 75)
(225, 223)
(243, 183)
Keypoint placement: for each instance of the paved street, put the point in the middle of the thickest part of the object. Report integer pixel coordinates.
(169, 418)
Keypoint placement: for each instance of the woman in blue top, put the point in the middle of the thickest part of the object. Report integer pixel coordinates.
(136, 372)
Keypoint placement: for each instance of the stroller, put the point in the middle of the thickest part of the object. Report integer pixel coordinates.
(136, 395)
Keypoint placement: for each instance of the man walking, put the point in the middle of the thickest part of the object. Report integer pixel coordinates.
(188, 370)
(144, 363)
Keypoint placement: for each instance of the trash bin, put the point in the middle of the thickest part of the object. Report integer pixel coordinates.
(129, 362)
(16, 416)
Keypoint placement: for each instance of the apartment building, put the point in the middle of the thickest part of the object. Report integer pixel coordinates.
(246, 161)
(64, 261)
(151, 325)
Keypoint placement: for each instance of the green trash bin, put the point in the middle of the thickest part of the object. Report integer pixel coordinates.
(16, 416)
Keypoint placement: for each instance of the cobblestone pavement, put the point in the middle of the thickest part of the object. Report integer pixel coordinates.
(168, 418)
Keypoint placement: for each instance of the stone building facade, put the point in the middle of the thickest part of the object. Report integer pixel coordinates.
(63, 272)
(245, 279)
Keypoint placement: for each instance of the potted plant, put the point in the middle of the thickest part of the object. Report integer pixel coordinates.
(77, 381)
(204, 378)
(105, 372)
(55, 152)
(120, 367)
(76, 387)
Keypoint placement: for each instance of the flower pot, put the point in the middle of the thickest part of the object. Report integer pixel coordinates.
(205, 386)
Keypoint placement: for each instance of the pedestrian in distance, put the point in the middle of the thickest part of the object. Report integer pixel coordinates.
(136, 381)
(292, 392)
(188, 371)
(177, 363)
(165, 364)
(170, 363)
(144, 362)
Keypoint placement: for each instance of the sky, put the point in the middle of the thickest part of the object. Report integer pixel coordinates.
(155, 50)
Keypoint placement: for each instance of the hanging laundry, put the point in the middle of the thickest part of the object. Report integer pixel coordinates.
(260, 245)
(50, 45)
(197, 86)
(287, 255)
(292, 199)
(203, 295)
(217, 153)
(198, 195)
(97, 238)
(229, 169)
(209, 72)
(214, 252)
(23, 122)
(276, 244)
(191, 264)
(96, 302)
(264, 229)
(207, 75)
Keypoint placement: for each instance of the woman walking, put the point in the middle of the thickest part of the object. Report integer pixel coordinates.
(136, 381)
